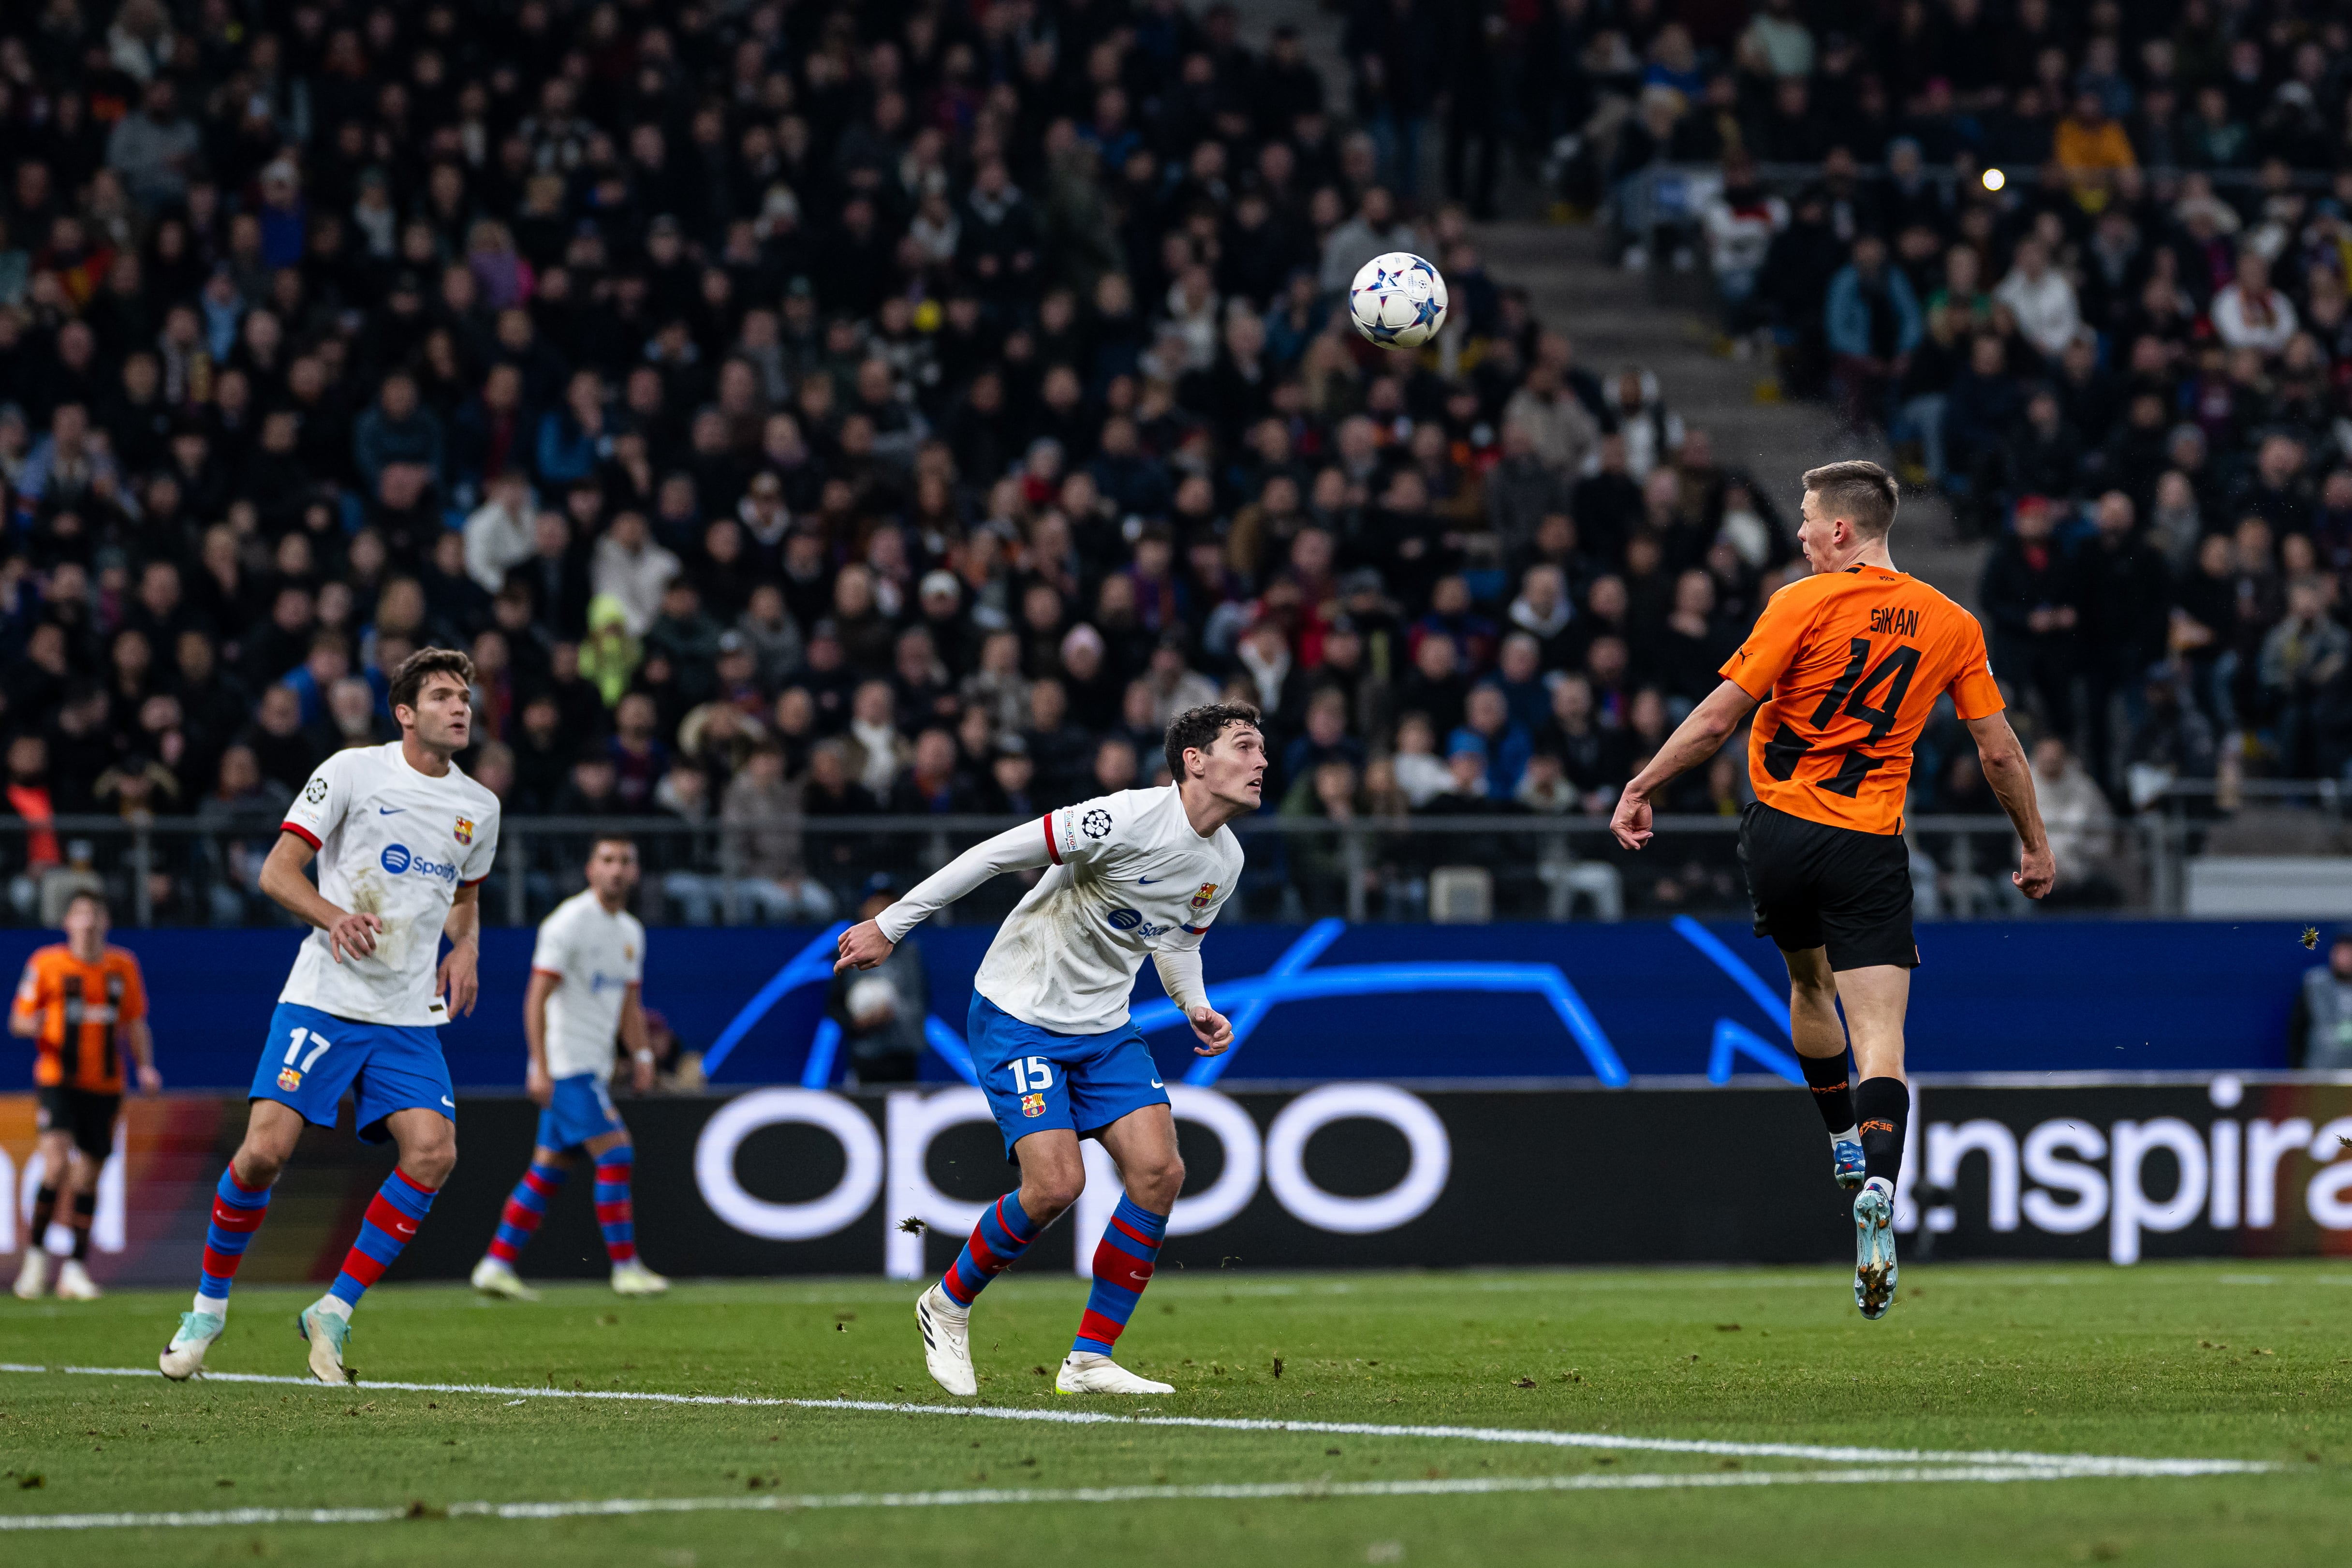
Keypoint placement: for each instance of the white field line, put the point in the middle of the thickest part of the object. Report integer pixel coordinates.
(777, 1502)
(2086, 1464)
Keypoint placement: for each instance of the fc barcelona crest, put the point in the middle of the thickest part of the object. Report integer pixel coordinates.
(1032, 1104)
(289, 1079)
(1201, 899)
(464, 831)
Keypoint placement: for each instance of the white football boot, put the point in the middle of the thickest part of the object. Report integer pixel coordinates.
(946, 1341)
(1874, 1247)
(184, 1356)
(74, 1283)
(328, 1334)
(1084, 1372)
(496, 1277)
(33, 1279)
(634, 1279)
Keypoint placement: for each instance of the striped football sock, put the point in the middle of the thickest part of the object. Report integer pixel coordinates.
(1123, 1262)
(238, 1211)
(615, 1214)
(526, 1206)
(1003, 1234)
(398, 1209)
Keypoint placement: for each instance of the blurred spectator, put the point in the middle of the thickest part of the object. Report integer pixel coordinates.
(2081, 823)
(1421, 774)
(2302, 656)
(2041, 298)
(881, 1011)
(1499, 737)
(761, 814)
(242, 812)
(1873, 324)
(2319, 1028)
(2031, 595)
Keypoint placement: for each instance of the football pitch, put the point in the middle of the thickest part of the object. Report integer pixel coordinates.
(2172, 1414)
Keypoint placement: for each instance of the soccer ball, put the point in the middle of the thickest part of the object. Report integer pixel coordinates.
(1398, 300)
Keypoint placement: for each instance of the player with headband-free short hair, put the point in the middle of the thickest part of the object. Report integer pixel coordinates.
(404, 839)
(1847, 664)
(587, 970)
(80, 1001)
(1132, 875)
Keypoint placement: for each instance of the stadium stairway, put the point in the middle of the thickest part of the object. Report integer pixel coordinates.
(1665, 323)
(1659, 320)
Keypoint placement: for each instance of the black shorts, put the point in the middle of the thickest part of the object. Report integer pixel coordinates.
(87, 1115)
(1818, 886)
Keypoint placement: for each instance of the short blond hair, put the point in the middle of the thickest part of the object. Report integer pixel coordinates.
(1860, 492)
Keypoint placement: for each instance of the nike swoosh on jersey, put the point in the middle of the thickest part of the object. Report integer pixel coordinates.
(447, 1101)
(390, 811)
(1157, 1084)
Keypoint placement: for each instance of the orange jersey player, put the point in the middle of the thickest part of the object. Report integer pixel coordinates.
(1847, 664)
(80, 1002)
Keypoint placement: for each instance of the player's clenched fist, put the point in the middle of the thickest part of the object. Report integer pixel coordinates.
(862, 946)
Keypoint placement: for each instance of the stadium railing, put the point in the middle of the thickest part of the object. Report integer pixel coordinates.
(1675, 193)
(181, 871)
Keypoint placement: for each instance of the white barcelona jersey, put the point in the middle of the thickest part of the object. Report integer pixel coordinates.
(596, 955)
(1128, 878)
(395, 843)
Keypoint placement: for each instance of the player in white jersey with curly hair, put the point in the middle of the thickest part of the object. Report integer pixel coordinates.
(404, 839)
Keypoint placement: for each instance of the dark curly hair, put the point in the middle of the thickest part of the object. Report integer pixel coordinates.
(408, 681)
(1199, 728)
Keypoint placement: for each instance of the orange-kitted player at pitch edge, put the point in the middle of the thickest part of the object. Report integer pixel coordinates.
(1848, 663)
(80, 1001)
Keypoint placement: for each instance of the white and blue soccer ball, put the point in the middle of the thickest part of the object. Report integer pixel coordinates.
(1398, 300)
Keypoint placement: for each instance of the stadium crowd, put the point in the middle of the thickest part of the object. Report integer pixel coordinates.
(2087, 264)
(800, 412)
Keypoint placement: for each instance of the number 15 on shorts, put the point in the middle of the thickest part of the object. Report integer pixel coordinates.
(1032, 1076)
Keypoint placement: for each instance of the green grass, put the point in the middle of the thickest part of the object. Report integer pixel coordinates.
(2200, 1361)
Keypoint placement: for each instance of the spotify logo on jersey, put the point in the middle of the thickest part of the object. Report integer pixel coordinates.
(396, 858)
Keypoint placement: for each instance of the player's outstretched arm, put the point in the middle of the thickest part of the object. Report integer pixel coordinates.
(282, 880)
(2005, 769)
(1695, 739)
(869, 941)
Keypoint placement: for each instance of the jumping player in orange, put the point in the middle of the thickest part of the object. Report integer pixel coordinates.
(1848, 663)
(81, 1001)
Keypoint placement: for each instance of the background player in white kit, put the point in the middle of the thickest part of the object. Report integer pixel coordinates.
(404, 839)
(1136, 874)
(585, 984)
